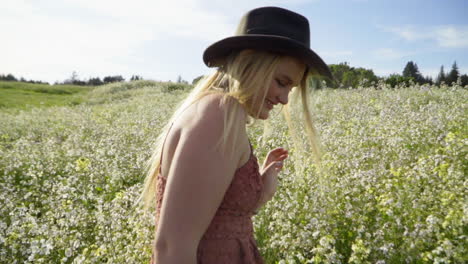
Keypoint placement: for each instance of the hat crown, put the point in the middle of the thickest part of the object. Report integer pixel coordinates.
(275, 21)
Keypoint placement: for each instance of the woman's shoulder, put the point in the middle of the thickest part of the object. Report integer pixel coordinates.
(212, 108)
(218, 101)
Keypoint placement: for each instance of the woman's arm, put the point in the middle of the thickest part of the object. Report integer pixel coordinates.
(197, 181)
(271, 167)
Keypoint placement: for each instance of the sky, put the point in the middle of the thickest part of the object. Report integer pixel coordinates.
(161, 40)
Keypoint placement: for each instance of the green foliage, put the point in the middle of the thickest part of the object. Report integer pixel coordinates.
(464, 80)
(8, 77)
(113, 79)
(346, 76)
(18, 95)
(396, 80)
(95, 81)
(391, 188)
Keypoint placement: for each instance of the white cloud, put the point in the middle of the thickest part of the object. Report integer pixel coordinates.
(409, 33)
(389, 54)
(449, 36)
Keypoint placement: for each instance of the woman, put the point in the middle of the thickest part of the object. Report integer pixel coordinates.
(203, 173)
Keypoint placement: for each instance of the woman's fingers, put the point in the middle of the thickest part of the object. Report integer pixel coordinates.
(279, 151)
(275, 166)
(282, 157)
(278, 165)
(279, 158)
(276, 153)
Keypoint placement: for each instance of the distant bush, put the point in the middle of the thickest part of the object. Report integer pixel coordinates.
(395, 80)
(346, 76)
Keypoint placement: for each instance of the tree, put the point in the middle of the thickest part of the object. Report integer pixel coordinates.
(411, 71)
(136, 78)
(346, 76)
(8, 77)
(395, 80)
(95, 81)
(441, 77)
(428, 80)
(111, 79)
(453, 74)
(73, 79)
(464, 80)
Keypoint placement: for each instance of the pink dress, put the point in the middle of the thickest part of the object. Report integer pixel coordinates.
(229, 237)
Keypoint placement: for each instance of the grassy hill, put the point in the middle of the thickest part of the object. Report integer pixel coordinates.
(26, 95)
(21, 95)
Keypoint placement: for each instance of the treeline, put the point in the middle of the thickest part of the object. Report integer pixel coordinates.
(95, 81)
(12, 78)
(74, 80)
(346, 76)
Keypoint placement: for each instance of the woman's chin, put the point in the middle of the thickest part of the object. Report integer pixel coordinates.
(264, 115)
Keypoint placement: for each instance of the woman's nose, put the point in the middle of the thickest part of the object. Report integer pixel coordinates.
(283, 97)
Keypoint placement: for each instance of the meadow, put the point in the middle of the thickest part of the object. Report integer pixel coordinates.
(20, 95)
(393, 188)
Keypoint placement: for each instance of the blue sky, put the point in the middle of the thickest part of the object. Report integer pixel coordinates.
(161, 39)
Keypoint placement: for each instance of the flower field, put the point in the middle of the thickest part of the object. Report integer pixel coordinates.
(393, 188)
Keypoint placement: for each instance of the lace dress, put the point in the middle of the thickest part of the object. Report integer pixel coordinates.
(229, 237)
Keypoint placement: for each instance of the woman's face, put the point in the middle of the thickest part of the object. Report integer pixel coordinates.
(288, 74)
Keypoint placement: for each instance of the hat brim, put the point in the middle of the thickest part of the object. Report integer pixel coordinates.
(215, 54)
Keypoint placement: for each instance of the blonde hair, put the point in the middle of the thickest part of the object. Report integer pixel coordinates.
(244, 79)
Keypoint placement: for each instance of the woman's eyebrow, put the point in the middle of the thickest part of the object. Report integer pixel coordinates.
(284, 76)
(288, 79)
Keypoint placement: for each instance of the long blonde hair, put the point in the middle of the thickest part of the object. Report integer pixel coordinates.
(244, 78)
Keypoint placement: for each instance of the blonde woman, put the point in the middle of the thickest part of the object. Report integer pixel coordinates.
(203, 174)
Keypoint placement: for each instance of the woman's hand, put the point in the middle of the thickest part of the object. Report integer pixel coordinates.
(271, 167)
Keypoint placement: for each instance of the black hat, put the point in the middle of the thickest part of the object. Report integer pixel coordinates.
(273, 29)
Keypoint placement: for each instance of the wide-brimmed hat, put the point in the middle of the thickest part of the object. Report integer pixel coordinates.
(272, 29)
